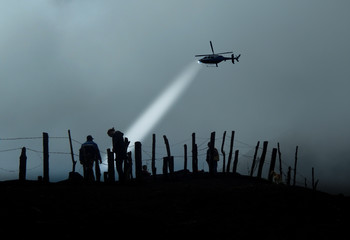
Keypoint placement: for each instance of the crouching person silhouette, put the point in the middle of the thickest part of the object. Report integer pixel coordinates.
(88, 155)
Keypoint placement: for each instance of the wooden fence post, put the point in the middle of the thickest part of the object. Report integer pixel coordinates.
(230, 153)
(313, 178)
(166, 141)
(254, 159)
(138, 161)
(272, 164)
(289, 175)
(171, 164)
(185, 158)
(295, 165)
(235, 162)
(314, 184)
(110, 161)
(212, 139)
(23, 165)
(262, 159)
(280, 160)
(71, 151)
(305, 183)
(168, 162)
(46, 177)
(194, 154)
(223, 152)
(211, 150)
(154, 169)
(165, 166)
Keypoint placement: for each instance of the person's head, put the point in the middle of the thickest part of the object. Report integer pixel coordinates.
(89, 138)
(110, 132)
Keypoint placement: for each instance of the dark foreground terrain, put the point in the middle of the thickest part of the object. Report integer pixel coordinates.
(225, 206)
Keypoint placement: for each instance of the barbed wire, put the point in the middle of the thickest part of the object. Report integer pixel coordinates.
(19, 138)
(34, 138)
(201, 151)
(10, 150)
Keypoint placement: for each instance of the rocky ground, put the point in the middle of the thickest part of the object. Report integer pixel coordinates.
(223, 206)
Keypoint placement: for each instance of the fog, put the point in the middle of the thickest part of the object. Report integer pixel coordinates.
(88, 66)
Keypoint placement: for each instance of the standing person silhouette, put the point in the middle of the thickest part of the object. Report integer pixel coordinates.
(88, 155)
(212, 158)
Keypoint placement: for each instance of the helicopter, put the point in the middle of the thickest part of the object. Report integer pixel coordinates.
(217, 58)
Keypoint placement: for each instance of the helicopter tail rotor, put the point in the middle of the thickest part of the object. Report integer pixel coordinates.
(233, 58)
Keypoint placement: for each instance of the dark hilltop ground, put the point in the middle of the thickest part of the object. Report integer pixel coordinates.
(224, 206)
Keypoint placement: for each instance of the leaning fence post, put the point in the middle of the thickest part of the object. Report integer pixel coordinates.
(22, 165)
(167, 145)
(46, 157)
(230, 153)
(262, 159)
(254, 159)
(71, 151)
(280, 159)
(295, 165)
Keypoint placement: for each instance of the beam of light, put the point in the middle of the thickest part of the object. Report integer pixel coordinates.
(162, 104)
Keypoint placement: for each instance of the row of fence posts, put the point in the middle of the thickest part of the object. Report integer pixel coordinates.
(168, 161)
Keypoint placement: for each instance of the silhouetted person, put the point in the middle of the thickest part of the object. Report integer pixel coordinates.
(212, 158)
(120, 146)
(88, 155)
(145, 172)
(98, 170)
(128, 167)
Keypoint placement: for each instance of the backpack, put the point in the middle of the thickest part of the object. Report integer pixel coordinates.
(118, 140)
(119, 144)
(216, 155)
(87, 152)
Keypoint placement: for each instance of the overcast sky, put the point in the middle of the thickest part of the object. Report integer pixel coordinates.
(91, 65)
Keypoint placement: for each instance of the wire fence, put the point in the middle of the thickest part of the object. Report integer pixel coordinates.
(147, 154)
(32, 145)
(238, 144)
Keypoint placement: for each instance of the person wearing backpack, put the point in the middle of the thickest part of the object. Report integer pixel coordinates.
(88, 155)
